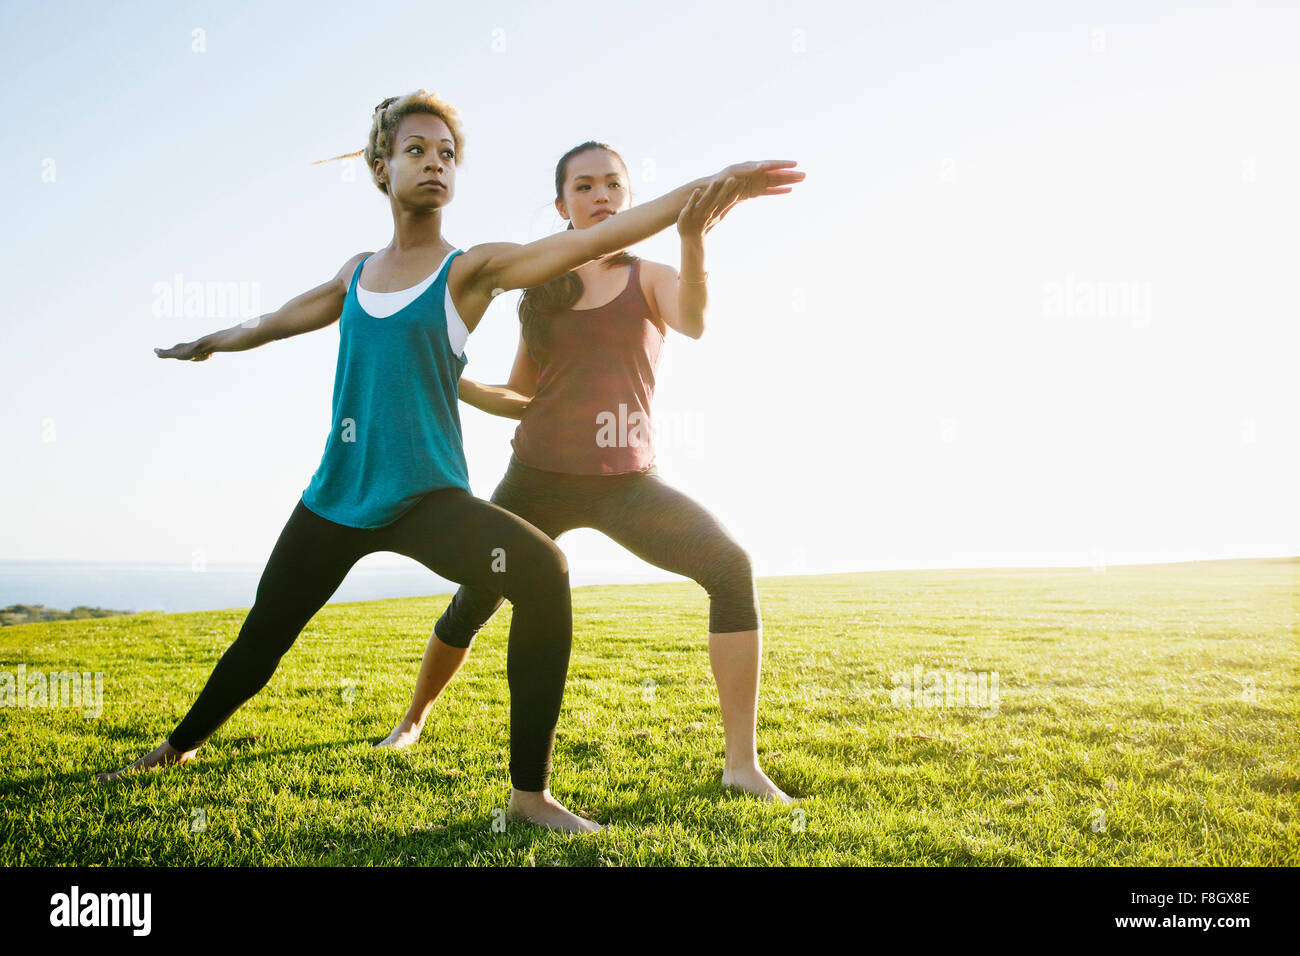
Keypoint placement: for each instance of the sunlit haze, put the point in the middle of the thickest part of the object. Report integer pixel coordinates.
(1033, 305)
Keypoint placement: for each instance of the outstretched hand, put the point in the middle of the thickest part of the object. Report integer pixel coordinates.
(771, 177)
(709, 206)
(190, 351)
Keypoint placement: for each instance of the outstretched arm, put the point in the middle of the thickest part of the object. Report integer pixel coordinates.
(492, 268)
(509, 400)
(312, 310)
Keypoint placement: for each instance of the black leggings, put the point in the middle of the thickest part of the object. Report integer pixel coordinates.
(455, 535)
(641, 512)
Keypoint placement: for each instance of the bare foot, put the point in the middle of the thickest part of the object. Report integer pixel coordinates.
(544, 810)
(164, 755)
(751, 779)
(404, 735)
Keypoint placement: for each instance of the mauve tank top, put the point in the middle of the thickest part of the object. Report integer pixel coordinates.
(595, 381)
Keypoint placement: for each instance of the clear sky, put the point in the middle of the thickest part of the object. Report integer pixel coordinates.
(1034, 304)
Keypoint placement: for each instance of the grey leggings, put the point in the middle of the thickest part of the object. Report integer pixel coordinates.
(641, 512)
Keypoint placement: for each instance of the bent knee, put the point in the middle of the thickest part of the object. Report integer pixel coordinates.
(551, 562)
(729, 568)
(539, 569)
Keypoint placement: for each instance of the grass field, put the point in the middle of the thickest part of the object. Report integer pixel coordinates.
(1143, 715)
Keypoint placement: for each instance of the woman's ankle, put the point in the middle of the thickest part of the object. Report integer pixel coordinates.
(530, 797)
(412, 726)
(732, 764)
(171, 752)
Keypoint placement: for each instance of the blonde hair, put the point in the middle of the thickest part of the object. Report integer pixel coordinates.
(389, 115)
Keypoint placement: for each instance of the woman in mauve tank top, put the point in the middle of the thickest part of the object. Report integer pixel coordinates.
(582, 384)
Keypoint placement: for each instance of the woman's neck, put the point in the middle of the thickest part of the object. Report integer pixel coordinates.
(595, 266)
(416, 229)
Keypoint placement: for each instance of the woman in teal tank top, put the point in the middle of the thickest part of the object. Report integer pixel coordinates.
(393, 476)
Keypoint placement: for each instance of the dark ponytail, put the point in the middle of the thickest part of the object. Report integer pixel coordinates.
(563, 291)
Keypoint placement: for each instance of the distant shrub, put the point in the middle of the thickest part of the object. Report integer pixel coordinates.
(33, 613)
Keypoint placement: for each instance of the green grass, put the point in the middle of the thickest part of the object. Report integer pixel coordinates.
(1164, 697)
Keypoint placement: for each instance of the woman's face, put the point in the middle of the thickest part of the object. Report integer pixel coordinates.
(595, 188)
(422, 170)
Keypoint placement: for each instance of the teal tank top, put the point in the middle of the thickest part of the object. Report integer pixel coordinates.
(395, 432)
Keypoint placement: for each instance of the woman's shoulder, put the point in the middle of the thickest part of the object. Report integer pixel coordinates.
(349, 269)
(657, 268)
(653, 273)
(470, 263)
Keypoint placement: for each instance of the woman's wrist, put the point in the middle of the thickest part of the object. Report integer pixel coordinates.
(692, 268)
(239, 338)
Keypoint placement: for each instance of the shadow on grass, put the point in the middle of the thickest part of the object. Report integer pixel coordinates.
(477, 841)
(658, 806)
(1277, 783)
(465, 842)
(212, 761)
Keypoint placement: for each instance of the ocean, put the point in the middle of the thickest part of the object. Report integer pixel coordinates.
(179, 587)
